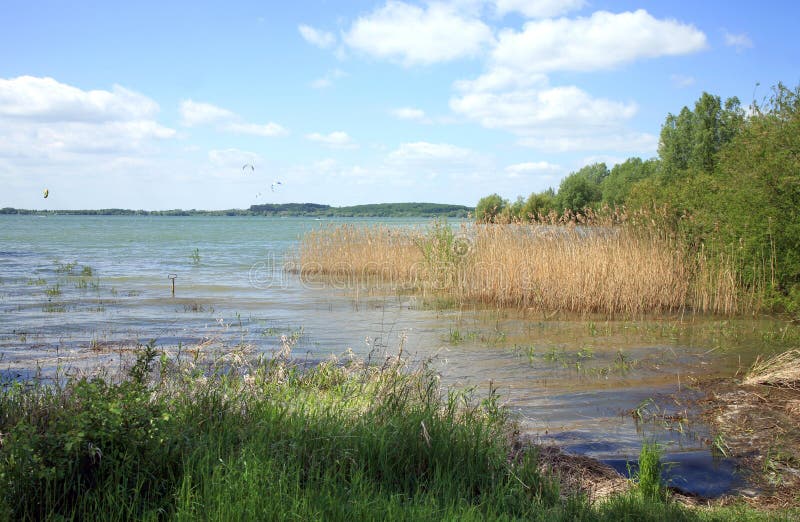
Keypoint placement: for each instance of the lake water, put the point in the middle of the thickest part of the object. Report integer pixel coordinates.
(593, 386)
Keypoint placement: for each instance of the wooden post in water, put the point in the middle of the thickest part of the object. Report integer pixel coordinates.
(172, 277)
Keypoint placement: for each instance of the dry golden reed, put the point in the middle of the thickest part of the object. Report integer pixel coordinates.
(609, 269)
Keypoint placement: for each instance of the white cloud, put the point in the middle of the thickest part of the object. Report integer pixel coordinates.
(575, 139)
(46, 120)
(77, 143)
(432, 154)
(414, 35)
(409, 113)
(267, 130)
(514, 93)
(543, 109)
(45, 99)
(195, 114)
(739, 41)
(335, 140)
(231, 160)
(326, 81)
(681, 81)
(602, 41)
(556, 119)
(501, 78)
(533, 167)
(321, 39)
(538, 8)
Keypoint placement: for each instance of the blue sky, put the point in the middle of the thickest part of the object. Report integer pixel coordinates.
(158, 105)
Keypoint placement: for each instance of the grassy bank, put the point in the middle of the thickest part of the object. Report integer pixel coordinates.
(237, 440)
(606, 268)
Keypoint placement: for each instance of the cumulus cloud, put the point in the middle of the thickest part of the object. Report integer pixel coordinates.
(45, 99)
(514, 92)
(739, 41)
(321, 39)
(414, 35)
(197, 113)
(335, 140)
(602, 41)
(47, 119)
(232, 159)
(533, 167)
(436, 156)
(552, 107)
(538, 8)
(409, 113)
(576, 139)
(194, 114)
(562, 119)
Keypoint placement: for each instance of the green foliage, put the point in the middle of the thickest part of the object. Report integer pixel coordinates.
(267, 440)
(733, 185)
(538, 204)
(443, 252)
(582, 189)
(489, 207)
(648, 476)
(692, 139)
(616, 187)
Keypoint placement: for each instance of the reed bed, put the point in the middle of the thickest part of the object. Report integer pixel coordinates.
(351, 253)
(577, 268)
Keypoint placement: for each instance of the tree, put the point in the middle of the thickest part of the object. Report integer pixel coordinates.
(538, 204)
(618, 184)
(692, 139)
(581, 189)
(489, 207)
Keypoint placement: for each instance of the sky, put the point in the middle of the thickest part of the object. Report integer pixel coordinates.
(159, 105)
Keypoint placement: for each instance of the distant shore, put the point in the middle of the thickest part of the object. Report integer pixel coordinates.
(280, 209)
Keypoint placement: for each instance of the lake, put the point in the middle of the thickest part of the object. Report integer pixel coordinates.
(74, 289)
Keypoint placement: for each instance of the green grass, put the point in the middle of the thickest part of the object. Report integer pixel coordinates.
(236, 439)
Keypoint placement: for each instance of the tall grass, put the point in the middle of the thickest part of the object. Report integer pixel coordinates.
(238, 439)
(609, 268)
(262, 440)
(352, 253)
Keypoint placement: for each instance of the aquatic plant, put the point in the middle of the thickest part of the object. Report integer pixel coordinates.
(648, 475)
(628, 270)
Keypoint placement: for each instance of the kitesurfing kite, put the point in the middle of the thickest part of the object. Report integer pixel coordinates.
(248, 166)
(46, 193)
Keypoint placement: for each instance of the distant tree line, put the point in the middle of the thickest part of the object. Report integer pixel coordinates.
(282, 209)
(728, 178)
(373, 210)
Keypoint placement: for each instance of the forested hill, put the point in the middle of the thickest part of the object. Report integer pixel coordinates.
(282, 209)
(374, 210)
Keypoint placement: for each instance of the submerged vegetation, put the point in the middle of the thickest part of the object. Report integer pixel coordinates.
(231, 437)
